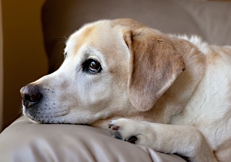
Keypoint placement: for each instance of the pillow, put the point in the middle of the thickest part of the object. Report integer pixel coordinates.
(24, 141)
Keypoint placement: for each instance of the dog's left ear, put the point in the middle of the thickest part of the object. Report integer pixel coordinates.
(154, 66)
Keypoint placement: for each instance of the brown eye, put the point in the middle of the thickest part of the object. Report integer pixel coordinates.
(91, 66)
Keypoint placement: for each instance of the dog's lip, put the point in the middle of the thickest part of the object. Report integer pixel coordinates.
(38, 121)
(46, 117)
(61, 113)
(31, 118)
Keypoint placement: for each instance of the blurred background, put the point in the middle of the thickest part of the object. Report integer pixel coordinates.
(22, 52)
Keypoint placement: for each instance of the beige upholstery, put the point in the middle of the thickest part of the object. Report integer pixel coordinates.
(66, 143)
(24, 141)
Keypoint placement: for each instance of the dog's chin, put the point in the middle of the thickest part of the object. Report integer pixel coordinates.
(41, 120)
(37, 120)
(45, 118)
(34, 120)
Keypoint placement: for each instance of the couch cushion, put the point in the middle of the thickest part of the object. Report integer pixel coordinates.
(24, 141)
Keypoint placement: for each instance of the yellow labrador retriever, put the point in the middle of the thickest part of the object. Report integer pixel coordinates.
(170, 93)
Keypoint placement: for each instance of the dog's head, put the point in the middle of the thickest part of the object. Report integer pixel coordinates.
(111, 68)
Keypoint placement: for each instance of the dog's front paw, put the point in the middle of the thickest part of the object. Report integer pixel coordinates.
(125, 129)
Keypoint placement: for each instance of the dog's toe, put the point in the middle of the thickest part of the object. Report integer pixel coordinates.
(113, 127)
(123, 129)
(132, 139)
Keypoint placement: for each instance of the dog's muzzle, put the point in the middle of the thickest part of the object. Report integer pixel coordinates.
(31, 95)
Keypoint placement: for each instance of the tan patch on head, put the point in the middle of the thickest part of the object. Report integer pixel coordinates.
(81, 37)
(128, 23)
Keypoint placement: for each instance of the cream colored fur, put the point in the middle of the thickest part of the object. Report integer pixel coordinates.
(172, 92)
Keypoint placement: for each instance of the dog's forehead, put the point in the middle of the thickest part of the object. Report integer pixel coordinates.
(99, 34)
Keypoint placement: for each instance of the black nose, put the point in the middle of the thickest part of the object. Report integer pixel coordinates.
(31, 95)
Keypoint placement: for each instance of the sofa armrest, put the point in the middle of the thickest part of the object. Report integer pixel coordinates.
(26, 141)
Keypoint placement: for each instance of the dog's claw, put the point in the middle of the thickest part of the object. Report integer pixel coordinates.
(113, 127)
(132, 139)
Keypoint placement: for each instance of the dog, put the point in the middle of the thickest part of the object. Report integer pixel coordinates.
(170, 93)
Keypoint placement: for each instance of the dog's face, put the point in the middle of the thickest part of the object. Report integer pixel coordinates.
(103, 75)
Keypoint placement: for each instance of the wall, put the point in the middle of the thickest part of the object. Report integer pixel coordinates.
(23, 53)
(1, 68)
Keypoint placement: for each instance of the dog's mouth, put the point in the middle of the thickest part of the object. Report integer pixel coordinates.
(51, 117)
(43, 115)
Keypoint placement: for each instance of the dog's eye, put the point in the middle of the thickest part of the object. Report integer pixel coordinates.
(92, 66)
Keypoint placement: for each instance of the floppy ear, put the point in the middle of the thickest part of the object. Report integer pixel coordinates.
(154, 66)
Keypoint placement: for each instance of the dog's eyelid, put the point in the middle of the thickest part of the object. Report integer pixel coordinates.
(93, 58)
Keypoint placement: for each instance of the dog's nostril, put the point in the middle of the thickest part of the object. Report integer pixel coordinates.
(30, 95)
(33, 97)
